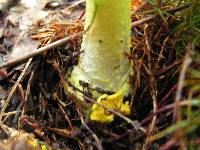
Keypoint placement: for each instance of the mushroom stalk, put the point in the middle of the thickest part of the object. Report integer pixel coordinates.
(104, 65)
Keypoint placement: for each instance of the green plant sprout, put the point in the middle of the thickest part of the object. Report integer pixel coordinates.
(104, 65)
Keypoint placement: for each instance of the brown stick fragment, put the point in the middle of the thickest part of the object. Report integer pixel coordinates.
(149, 18)
(39, 51)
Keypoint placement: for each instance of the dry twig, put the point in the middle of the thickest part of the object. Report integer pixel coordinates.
(153, 86)
(40, 50)
(149, 18)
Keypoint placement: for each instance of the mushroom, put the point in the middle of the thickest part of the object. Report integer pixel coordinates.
(104, 65)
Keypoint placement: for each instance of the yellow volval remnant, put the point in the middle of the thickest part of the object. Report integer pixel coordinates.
(34, 143)
(114, 102)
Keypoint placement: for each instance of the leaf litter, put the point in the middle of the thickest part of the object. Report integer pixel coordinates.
(34, 91)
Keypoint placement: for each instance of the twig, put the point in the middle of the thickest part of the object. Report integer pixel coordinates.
(186, 63)
(177, 9)
(149, 18)
(137, 68)
(138, 8)
(167, 68)
(11, 113)
(177, 111)
(166, 108)
(66, 117)
(153, 86)
(75, 4)
(144, 20)
(40, 50)
(152, 81)
(160, 56)
(28, 88)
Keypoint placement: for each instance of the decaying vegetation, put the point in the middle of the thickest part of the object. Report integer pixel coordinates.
(165, 104)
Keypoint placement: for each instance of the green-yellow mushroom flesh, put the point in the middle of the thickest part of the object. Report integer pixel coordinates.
(104, 63)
